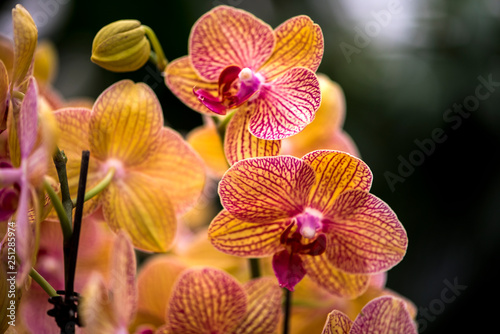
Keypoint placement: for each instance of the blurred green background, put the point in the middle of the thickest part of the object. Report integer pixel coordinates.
(407, 68)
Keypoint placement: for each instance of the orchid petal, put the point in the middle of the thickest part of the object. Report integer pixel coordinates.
(337, 323)
(182, 79)
(46, 62)
(24, 232)
(25, 39)
(240, 144)
(286, 105)
(207, 142)
(288, 268)
(237, 237)
(96, 308)
(299, 43)
(122, 281)
(142, 208)
(336, 173)
(4, 90)
(264, 307)
(73, 139)
(28, 119)
(206, 301)
(125, 123)
(266, 189)
(7, 53)
(366, 235)
(243, 40)
(386, 315)
(178, 168)
(321, 270)
(155, 283)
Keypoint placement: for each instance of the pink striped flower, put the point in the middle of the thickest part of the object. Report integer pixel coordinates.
(236, 60)
(313, 215)
(383, 315)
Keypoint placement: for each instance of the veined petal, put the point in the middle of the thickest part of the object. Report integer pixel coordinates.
(386, 315)
(122, 280)
(182, 79)
(4, 90)
(299, 43)
(25, 39)
(207, 142)
(96, 308)
(237, 237)
(155, 283)
(286, 105)
(240, 144)
(337, 323)
(266, 189)
(28, 120)
(125, 123)
(177, 168)
(227, 36)
(336, 173)
(142, 208)
(264, 307)
(206, 301)
(7, 53)
(366, 235)
(73, 139)
(321, 270)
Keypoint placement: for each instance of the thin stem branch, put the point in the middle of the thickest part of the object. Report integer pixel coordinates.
(61, 212)
(98, 187)
(60, 161)
(161, 60)
(287, 309)
(43, 283)
(254, 268)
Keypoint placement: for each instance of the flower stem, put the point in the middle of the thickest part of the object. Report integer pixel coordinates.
(43, 283)
(161, 60)
(98, 188)
(287, 309)
(58, 206)
(254, 268)
(60, 161)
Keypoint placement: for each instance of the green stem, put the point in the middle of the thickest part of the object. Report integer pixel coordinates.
(60, 161)
(43, 283)
(254, 268)
(99, 187)
(161, 60)
(58, 206)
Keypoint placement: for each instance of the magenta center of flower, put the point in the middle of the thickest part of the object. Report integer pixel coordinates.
(236, 86)
(309, 222)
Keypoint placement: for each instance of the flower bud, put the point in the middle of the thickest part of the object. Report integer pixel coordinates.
(121, 46)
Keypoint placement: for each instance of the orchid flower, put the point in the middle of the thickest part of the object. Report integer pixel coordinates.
(383, 315)
(325, 132)
(28, 175)
(154, 174)
(237, 61)
(313, 215)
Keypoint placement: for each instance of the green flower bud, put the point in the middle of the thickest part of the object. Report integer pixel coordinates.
(121, 46)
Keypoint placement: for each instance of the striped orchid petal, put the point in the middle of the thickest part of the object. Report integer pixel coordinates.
(299, 43)
(240, 144)
(365, 234)
(141, 207)
(286, 105)
(266, 189)
(125, 123)
(25, 40)
(336, 173)
(236, 237)
(264, 307)
(182, 79)
(227, 36)
(384, 315)
(207, 301)
(321, 270)
(337, 323)
(4, 90)
(28, 120)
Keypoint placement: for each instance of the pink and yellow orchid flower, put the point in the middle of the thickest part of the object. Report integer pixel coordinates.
(313, 215)
(154, 174)
(383, 315)
(236, 60)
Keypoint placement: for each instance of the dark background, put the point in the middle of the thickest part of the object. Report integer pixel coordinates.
(398, 89)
